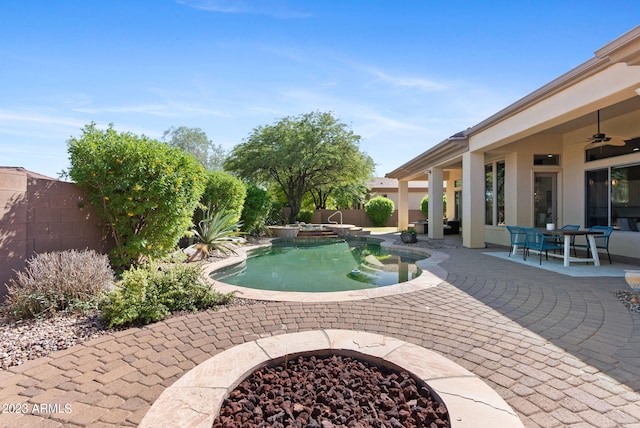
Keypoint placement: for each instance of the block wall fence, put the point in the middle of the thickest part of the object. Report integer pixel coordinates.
(40, 214)
(359, 217)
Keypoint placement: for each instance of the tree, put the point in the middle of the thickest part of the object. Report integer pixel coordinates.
(350, 196)
(196, 142)
(350, 184)
(144, 191)
(299, 153)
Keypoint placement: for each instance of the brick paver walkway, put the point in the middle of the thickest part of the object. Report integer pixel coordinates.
(561, 351)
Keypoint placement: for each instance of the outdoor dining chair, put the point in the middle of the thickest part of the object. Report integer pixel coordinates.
(573, 238)
(536, 240)
(517, 238)
(602, 241)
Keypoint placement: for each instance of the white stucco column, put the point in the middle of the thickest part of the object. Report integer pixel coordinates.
(403, 204)
(473, 200)
(435, 203)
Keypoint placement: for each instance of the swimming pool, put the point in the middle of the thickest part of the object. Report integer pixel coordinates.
(321, 267)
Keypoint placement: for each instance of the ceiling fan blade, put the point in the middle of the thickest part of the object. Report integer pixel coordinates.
(617, 141)
(609, 141)
(594, 144)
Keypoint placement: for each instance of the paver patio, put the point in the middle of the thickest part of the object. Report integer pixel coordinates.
(562, 351)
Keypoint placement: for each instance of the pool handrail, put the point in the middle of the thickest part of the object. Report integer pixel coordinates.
(334, 222)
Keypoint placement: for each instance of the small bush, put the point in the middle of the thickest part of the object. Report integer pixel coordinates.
(305, 216)
(150, 292)
(379, 209)
(57, 281)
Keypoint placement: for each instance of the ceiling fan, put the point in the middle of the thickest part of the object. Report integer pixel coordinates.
(600, 139)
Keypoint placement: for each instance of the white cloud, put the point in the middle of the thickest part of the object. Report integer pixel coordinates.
(274, 8)
(162, 110)
(405, 82)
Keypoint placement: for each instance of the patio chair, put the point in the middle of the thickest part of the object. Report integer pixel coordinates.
(560, 240)
(602, 241)
(517, 238)
(535, 240)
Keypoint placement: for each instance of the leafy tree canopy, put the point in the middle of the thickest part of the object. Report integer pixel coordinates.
(301, 153)
(196, 142)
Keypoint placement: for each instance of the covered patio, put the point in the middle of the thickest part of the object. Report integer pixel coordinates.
(568, 153)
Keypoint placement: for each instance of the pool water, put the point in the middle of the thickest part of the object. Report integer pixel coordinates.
(336, 266)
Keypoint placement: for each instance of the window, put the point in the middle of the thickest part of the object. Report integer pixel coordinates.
(605, 152)
(613, 197)
(494, 193)
(500, 192)
(488, 194)
(549, 159)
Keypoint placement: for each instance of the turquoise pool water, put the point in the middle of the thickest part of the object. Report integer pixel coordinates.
(336, 266)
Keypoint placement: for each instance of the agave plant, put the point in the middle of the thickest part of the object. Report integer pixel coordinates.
(217, 232)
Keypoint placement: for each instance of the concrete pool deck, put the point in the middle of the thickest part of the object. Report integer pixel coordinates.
(560, 350)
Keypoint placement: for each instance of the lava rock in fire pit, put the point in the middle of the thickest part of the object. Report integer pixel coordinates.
(333, 391)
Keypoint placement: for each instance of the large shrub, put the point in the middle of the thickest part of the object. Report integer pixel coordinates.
(379, 209)
(57, 281)
(144, 191)
(223, 192)
(424, 205)
(150, 292)
(255, 212)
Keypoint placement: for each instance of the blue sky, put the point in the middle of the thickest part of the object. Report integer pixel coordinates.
(403, 74)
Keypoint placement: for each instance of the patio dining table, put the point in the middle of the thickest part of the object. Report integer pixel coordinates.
(567, 234)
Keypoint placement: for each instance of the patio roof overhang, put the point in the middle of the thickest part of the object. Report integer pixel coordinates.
(624, 51)
(444, 153)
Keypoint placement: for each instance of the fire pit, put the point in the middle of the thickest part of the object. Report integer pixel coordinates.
(195, 399)
(318, 391)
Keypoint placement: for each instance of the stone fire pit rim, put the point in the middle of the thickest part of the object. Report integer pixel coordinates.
(196, 398)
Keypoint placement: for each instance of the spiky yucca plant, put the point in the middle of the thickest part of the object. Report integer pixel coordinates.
(217, 231)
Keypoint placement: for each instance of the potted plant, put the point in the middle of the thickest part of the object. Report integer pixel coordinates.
(408, 236)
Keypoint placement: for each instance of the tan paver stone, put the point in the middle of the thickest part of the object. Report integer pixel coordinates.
(136, 417)
(48, 396)
(115, 417)
(132, 390)
(598, 419)
(151, 393)
(27, 421)
(80, 414)
(115, 373)
(92, 398)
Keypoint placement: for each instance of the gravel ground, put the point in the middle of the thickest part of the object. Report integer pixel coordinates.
(25, 340)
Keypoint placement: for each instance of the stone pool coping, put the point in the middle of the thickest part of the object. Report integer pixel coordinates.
(431, 276)
(196, 398)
